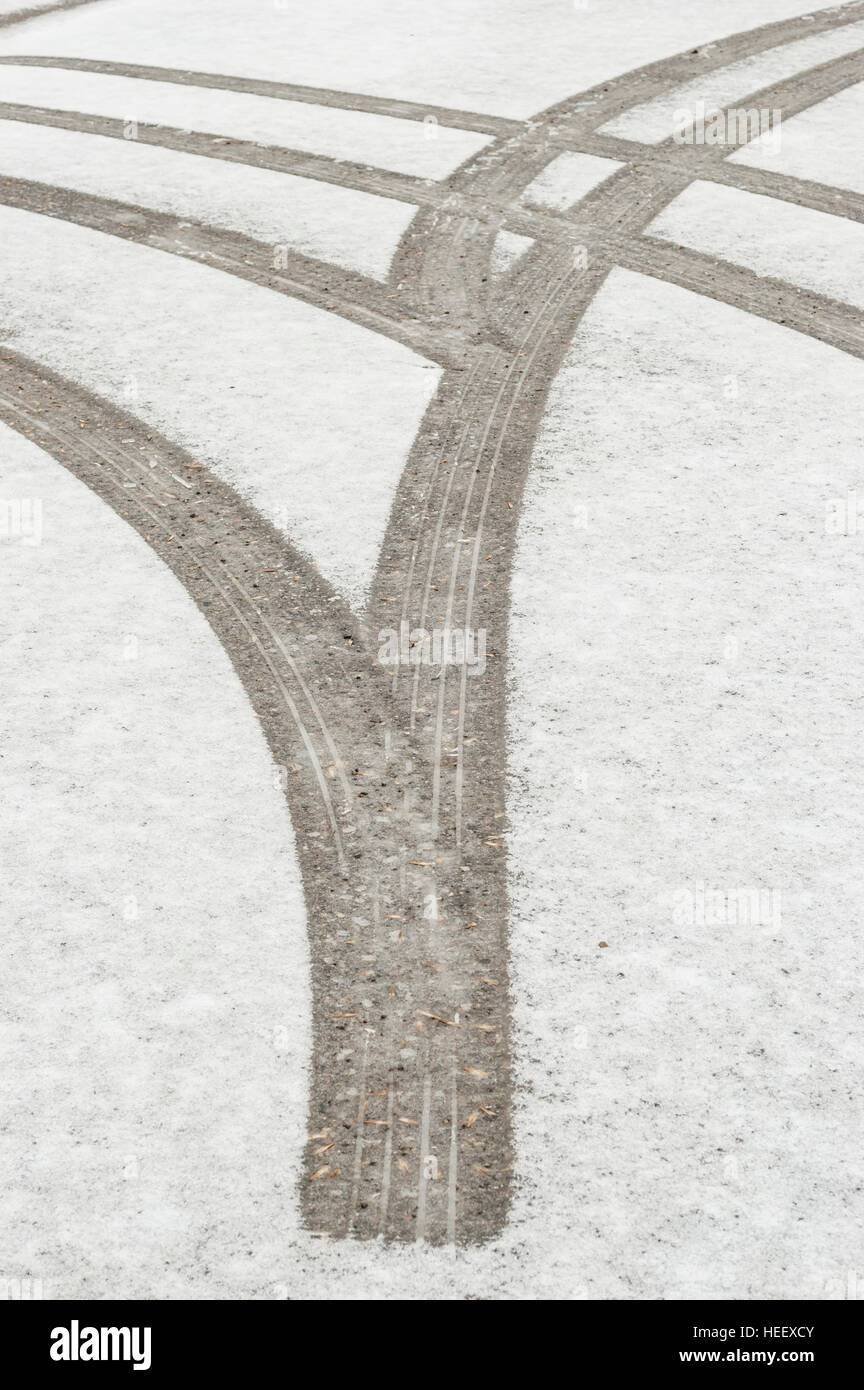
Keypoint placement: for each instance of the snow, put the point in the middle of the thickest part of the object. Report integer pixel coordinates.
(686, 658)
(10, 6)
(823, 143)
(652, 121)
(506, 250)
(510, 60)
(407, 147)
(309, 416)
(812, 249)
(685, 665)
(566, 179)
(686, 671)
(345, 226)
(156, 1020)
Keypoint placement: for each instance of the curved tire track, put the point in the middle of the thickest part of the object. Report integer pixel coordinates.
(411, 1085)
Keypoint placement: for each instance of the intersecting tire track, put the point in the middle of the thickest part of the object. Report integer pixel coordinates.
(38, 12)
(399, 838)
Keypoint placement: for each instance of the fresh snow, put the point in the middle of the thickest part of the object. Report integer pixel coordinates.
(566, 179)
(155, 969)
(345, 226)
(653, 121)
(686, 666)
(684, 634)
(307, 415)
(507, 249)
(407, 147)
(823, 143)
(511, 60)
(812, 249)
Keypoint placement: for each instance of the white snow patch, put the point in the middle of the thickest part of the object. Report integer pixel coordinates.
(686, 665)
(345, 226)
(812, 249)
(652, 121)
(566, 179)
(686, 657)
(155, 1027)
(511, 60)
(309, 416)
(507, 249)
(823, 144)
(408, 147)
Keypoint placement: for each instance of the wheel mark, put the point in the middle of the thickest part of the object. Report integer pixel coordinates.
(518, 284)
(425, 1158)
(480, 122)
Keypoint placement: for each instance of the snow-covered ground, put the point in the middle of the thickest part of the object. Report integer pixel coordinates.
(507, 249)
(408, 147)
(512, 59)
(655, 120)
(813, 249)
(686, 647)
(154, 958)
(306, 414)
(686, 671)
(566, 179)
(685, 668)
(822, 144)
(8, 7)
(345, 226)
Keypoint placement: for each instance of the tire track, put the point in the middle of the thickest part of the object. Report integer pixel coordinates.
(832, 322)
(367, 302)
(463, 809)
(366, 178)
(300, 654)
(36, 12)
(408, 940)
(481, 122)
(805, 193)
